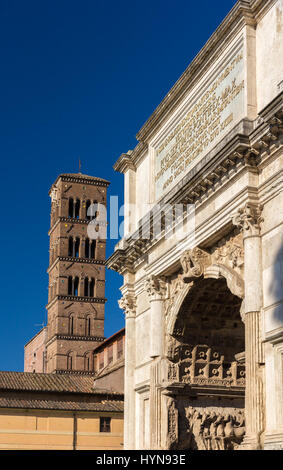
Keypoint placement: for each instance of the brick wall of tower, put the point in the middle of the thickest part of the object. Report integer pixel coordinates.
(76, 276)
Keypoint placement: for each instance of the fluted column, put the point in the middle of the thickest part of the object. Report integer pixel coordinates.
(248, 219)
(156, 290)
(128, 304)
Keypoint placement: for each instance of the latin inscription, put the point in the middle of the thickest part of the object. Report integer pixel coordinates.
(202, 126)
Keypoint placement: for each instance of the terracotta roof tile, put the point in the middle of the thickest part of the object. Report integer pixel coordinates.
(105, 405)
(28, 381)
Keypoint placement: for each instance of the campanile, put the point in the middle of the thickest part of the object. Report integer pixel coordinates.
(76, 296)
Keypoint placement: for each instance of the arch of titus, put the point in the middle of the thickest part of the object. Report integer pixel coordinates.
(204, 314)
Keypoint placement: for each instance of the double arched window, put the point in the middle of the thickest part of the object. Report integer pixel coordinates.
(73, 285)
(74, 208)
(90, 246)
(89, 287)
(73, 247)
(91, 209)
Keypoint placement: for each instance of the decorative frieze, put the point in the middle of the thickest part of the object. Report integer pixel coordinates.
(214, 429)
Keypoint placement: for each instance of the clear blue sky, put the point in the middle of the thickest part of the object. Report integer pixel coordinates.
(78, 78)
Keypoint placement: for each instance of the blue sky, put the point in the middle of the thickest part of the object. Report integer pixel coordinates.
(78, 79)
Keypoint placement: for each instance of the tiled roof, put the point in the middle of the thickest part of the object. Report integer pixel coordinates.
(104, 405)
(67, 383)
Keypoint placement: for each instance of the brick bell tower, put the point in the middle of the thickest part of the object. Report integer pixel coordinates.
(76, 276)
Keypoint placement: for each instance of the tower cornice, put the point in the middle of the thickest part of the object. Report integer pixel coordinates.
(82, 179)
(75, 260)
(73, 298)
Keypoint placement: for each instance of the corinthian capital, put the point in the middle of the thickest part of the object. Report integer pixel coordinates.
(248, 219)
(155, 287)
(128, 304)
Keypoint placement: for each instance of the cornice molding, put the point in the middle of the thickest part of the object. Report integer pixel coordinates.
(71, 298)
(82, 179)
(99, 339)
(124, 162)
(75, 260)
(72, 372)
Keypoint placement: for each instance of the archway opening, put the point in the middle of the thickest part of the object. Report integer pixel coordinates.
(210, 314)
(206, 368)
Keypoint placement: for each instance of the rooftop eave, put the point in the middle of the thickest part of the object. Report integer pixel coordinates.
(78, 177)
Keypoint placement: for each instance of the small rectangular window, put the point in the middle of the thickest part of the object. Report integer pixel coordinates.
(105, 424)
(110, 354)
(101, 360)
(120, 347)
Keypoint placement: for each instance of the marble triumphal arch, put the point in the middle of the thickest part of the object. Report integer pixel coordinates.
(204, 316)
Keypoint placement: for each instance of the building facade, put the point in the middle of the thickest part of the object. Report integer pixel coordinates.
(109, 363)
(35, 352)
(58, 412)
(203, 294)
(76, 295)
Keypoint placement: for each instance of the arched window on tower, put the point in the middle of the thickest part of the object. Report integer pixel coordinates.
(70, 246)
(71, 207)
(70, 285)
(74, 247)
(77, 209)
(91, 287)
(90, 246)
(87, 247)
(71, 361)
(88, 361)
(88, 326)
(71, 324)
(91, 209)
(95, 209)
(76, 286)
(73, 285)
(77, 247)
(86, 287)
(92, 249)
(88, 203)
